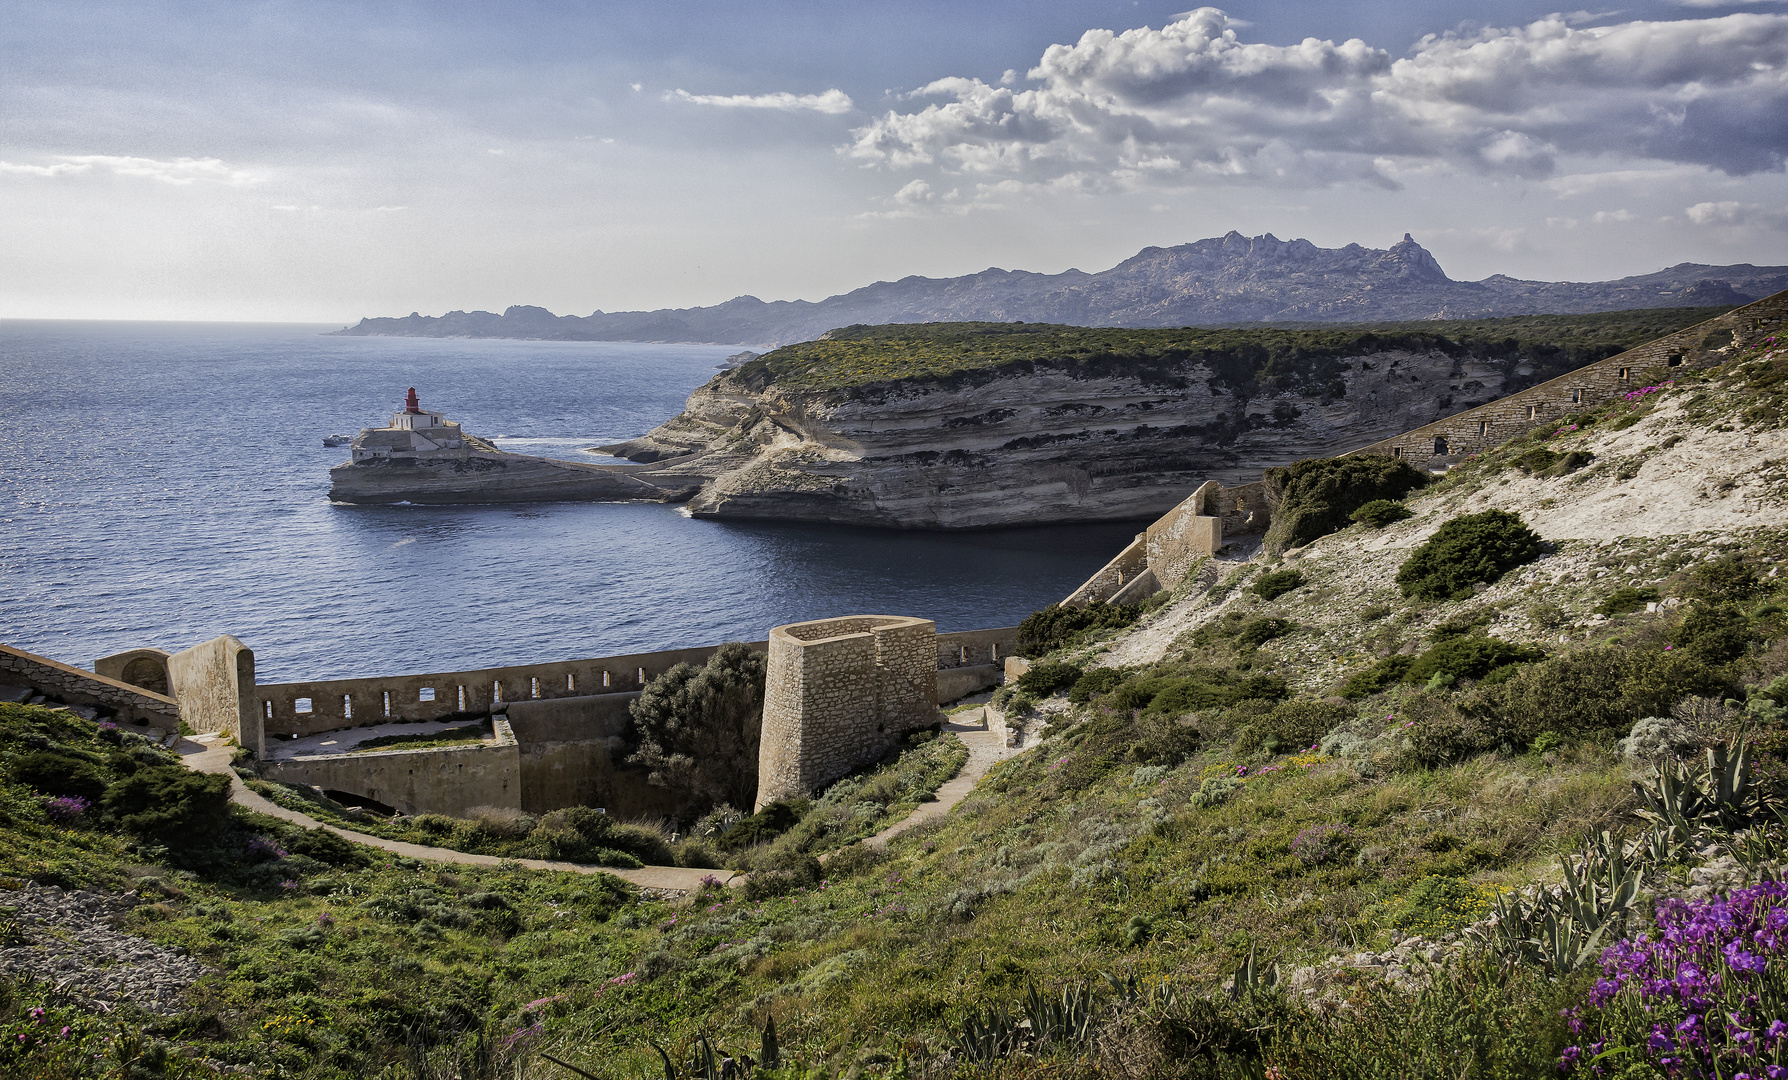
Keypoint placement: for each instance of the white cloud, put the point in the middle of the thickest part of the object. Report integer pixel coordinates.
(1192, 103)
(181, 171)
(916, 191)
(1603, 217)
(833, 102)
(1737, 213)
(60, 169)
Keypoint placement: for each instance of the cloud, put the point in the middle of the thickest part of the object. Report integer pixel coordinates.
(60, 169)
(180, 171)
(1192, 103)
(1736, 213)
(833, 102)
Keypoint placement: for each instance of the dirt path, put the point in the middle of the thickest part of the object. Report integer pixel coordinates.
(206, 756)
(986, 748)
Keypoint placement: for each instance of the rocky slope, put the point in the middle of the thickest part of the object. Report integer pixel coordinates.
(1228, 279)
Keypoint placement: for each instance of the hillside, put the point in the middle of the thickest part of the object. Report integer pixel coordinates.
(954, 425)
(1222, 280)
(1262, 831)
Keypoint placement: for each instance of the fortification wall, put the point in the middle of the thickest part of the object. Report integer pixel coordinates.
(447, 780)
(573, 753)
(1473, 431)
(306, 708)
(147, 668)
(73, 686)
(1114, 575)
(841, 693)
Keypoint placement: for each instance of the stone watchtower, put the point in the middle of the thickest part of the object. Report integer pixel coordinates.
(841, 694)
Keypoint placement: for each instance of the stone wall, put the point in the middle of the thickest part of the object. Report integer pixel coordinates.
(330, 704)
(841, 694)
(573, 753)
(448, 780)
(1114, 575)
(147, 668)
(72, 686)
(214, 682)
(1445, 442)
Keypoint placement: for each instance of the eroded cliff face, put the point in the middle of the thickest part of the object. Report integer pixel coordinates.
(1041, 444)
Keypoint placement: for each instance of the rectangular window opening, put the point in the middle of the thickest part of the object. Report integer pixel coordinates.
(1533, 412)
(347, 706)
(427, 693)
(387, 703)
(496, 690)
(605, 680)
(1625, 373)
(269, 707)
(642, 676)
(994, 652)
(534, 687)
(1578, 397)
(1483, 428)
(302, 705)
(570, 683)
(462, 699)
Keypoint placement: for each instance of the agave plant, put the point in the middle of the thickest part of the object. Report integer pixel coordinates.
(1251, 977)
(1067, 1020)
(989, 1036)
(1563, 929)
(1720, 794)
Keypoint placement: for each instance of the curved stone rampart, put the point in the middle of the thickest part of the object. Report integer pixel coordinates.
(841, 693)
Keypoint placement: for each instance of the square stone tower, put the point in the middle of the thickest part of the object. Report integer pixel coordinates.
(842, 692)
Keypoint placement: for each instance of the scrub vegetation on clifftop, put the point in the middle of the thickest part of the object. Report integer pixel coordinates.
(1251, 359)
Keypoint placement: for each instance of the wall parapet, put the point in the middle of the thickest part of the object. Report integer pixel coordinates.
(76, 687)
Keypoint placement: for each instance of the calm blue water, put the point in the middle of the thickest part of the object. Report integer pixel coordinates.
(163, 483)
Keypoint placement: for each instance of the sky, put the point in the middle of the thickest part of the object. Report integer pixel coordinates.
(265, 160)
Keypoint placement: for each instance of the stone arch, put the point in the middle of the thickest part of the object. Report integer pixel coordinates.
(1440, 446)
(147, 672)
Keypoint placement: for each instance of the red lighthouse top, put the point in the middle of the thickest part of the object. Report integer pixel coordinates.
(411, 405)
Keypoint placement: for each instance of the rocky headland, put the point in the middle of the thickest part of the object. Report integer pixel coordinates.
(975, 425)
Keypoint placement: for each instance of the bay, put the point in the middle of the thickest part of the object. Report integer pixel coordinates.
(163, 483)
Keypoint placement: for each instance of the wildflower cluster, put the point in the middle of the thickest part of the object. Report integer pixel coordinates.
(66, 809)
(1707, 997)
(1632, 397)
(261, 849)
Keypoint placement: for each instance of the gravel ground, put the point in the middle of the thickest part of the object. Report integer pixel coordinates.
(72, 944)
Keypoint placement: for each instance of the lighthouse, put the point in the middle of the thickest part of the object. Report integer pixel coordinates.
(415, 417)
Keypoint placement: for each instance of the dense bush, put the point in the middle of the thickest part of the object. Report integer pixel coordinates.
(697, 727)
(326, 847)
(1301, 722)
(1043, 680)
(1626, 600)
(1381, 512)
(767, 824)
(171, 805)
(1260, 631)
(1592, 691)
(56, 773)
(1055, 627)
(783, 872)
(1318, 496)
(1095, 682)
(1727, 579)
(1469, 658)
(1272, 585)
(1713, 633)
(1198, 688)
(1466, 551)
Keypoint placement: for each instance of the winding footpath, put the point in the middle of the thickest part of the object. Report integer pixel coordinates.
(209, 755)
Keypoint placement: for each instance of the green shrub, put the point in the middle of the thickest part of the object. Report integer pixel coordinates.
(1271, 586)
(1056, 627)
(1468, 550)
(1201, 688)
(1469, 658)
(1462, 624)
(1095, 682)
(1301, 722)
(697, 727)
(1381, 512)
(1591, 691)
(1713, 633)
(767, 824)
(1380, 676)
(1043, 680)
(55, 773)
(1315, 497)
(326, 847)
(782, 872)
(1260, 631)
(1436, 905)
(1626, 600)
(1727, 579)
(171, 805)
(643, 843)
(1163, 739)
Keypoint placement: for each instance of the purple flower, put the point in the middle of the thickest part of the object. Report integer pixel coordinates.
(66, 809)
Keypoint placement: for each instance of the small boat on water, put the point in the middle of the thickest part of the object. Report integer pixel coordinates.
(336, 440)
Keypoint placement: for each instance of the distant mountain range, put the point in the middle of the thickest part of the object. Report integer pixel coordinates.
(1229, 279)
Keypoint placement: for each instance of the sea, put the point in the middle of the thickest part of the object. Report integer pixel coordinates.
(164, 483)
